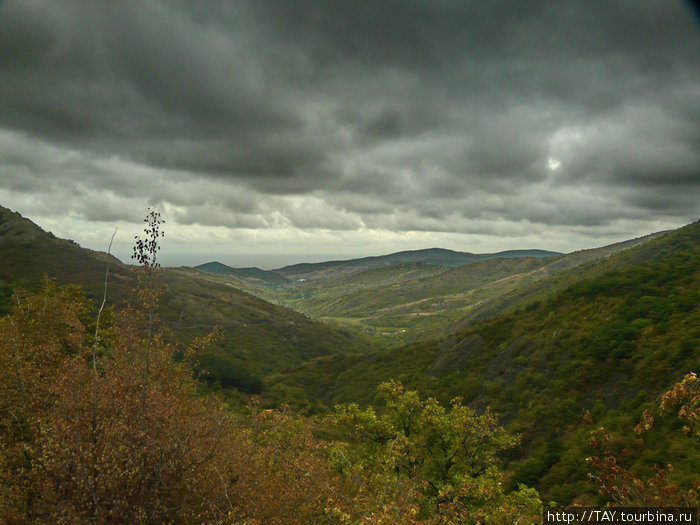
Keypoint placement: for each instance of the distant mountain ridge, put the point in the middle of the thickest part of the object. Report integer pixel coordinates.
(434, 256)
(253, 275)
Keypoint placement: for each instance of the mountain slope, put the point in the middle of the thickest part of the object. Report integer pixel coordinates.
(259, 338)
(28, 254)
(610, 339)
(409, 297)
(373, 277)
(569, 267)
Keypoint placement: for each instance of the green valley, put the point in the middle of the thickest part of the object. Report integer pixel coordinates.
(406, 302)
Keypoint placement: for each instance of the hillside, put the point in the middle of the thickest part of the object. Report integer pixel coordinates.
(540, 340)
(378, 276)
(28, 254)
(605, 338)
(545, 282)
(259, 337)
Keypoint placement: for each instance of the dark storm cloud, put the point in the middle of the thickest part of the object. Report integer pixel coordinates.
(397, 114)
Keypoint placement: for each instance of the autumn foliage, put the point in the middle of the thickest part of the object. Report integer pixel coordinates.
(102, 420)
(125, 440)
(109, 427)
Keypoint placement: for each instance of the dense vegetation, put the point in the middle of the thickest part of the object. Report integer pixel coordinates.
(103, 422)
(432, 256)
(118, 414)
(408, 302)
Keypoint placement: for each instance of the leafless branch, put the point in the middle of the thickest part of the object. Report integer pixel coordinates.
(104, 300)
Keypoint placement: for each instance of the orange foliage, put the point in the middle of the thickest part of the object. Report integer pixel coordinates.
(126, 441)
(130, 440)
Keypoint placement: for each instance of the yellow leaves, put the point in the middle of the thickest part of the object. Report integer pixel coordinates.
(690, 378)
(129, 442)
(133, 442)
(684, 393)
(199, 344)
(337, 515)
(646, 423)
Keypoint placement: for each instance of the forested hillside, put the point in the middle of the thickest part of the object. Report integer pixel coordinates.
(433, 256)
(259, 338)
(419, 262)
(102, 419)
(619, 332)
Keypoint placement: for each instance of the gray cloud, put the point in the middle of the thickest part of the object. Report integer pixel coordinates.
(421, 115)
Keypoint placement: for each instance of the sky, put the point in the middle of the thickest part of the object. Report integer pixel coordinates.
(270, 132)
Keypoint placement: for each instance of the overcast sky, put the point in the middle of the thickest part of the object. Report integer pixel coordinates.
(270, 132)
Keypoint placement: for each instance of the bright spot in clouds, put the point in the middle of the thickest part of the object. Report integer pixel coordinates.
(553, 163)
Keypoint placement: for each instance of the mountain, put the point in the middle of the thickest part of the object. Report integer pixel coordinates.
(435, 256)
(254, 276)
(606, 337)
(259, 338)
(558, 274)
(371, 278)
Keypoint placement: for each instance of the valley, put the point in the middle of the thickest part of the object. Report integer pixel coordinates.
(541, 338)
(349, 263)
(603, 337)
(409, 301)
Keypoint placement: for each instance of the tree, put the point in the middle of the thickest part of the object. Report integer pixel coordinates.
(111, 428)
(41, 334)
(146, 249)
(419, 462)
(145, 253)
